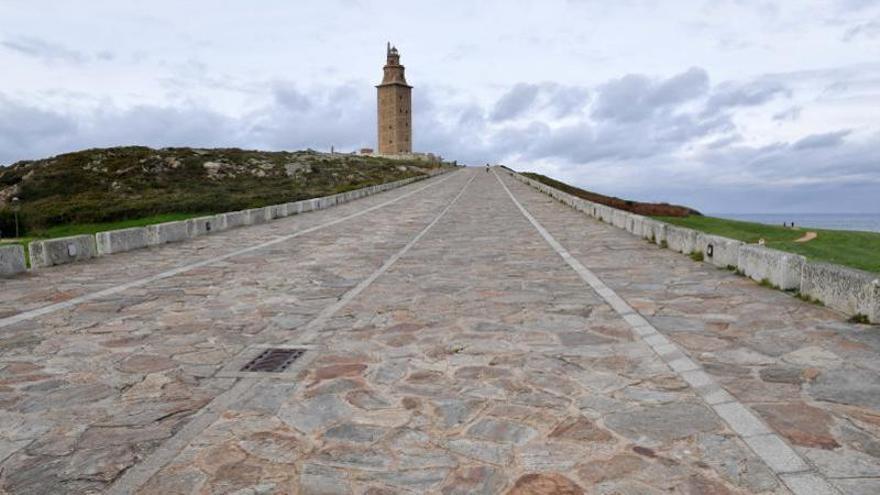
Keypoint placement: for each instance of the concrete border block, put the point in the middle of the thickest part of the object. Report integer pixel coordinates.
(681, 239)
(844, 289)
(781, 269)
(162, 233)
(12, 260)
(720, 251)
(293, 208)
(119, 241)
(277, 211)
(62, 250)
(254, 216)
(634, 224)
(653, 230)
(619, 219)
(200, 226)
(235, 219)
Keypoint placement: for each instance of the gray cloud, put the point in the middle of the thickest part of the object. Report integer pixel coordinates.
(559, 100)
(32, 132)
(753, 93)
(636, 97)
(43, 50)
(515, 102)
(291, 98)
(824, 140)
(790, 114)
(856, 5)
(564, 101)
(869, 30)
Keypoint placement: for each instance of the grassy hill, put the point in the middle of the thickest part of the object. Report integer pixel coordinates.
(129, 184)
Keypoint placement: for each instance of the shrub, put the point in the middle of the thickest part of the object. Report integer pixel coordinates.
(697, 256)
(859, 318)
(808, 298)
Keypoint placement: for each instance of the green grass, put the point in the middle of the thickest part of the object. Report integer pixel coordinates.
(92, 228)
(850, 248)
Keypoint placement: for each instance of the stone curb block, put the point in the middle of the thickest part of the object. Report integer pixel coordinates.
(720, 251)
(119, 241)
(277, 211)
(11, 260)
(62, 250)
(235, 219)
(162, 233)
(634, 224)
(254, 216)
(654, 231)
(209, 224)
(781, 269)
(846, 289)
(681, 239)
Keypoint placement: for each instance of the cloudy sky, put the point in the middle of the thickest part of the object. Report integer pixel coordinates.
(724, 105)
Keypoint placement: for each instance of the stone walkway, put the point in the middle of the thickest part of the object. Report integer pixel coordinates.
(450, 349)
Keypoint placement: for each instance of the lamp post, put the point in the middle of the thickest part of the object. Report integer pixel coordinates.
(15, 206)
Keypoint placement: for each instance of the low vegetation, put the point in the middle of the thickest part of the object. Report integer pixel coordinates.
(108, 188)
(859, 318)
(648, 209)
(855, 249)
(808, 298)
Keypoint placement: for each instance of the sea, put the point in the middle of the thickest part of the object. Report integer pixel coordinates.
(841, 221)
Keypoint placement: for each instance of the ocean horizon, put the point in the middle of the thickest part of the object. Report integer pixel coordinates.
(869, 222)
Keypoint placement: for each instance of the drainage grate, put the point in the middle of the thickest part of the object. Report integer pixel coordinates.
(274, 360)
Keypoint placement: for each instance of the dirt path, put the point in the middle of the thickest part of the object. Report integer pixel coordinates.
(809, 236)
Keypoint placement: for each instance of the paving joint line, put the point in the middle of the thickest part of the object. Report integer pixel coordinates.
(34, 313)
(788, 466)
(139, 474)
(311, 329)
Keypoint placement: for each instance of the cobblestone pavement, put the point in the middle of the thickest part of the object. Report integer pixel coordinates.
(450, 349)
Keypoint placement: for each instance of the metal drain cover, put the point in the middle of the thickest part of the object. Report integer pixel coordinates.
(273, 360)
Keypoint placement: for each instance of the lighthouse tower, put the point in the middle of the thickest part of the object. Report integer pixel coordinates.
(395, 108)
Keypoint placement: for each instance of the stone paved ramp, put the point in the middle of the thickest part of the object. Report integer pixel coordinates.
(451, 349)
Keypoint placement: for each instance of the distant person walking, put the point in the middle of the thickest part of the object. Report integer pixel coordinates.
(487, 168)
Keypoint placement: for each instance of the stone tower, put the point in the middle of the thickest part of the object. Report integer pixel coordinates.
(395, 108)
